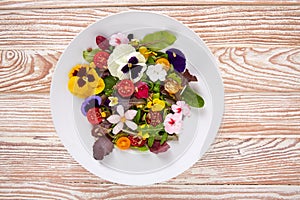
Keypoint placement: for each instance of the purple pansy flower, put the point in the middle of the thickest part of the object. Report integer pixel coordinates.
(177, 59)
(90, 102)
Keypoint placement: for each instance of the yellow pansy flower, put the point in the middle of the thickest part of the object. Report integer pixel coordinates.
(84, 81)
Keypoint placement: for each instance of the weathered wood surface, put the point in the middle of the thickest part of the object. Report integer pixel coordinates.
(242, 69)
(256, 154)
(247, 115)
(223, 26)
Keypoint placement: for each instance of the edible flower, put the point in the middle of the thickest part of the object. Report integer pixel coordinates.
(146, 52)
(102, 42)
(84, 81)
(90, 102)
(117, 39)
(156, 105)
(181, 108)
(173, 123)
(113, 101)
(126, 63)
(156, 72)
(142, 90)
(122, 118)
(177, 59)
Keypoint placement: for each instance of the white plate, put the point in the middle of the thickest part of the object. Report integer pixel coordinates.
(131, 167)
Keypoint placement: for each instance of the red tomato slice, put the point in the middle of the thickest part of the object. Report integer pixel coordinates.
(100, 59)
(136, 141)
(125, 88)
(94, 116)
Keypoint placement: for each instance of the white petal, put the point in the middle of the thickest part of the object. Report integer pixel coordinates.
(114, 119)
(120, 110)
(130, 114)
(162, 75)
(131, 125)
(118, 128)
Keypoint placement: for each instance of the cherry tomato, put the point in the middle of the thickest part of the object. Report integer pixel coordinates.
(94, 116)
(136, 141)
(123, 143)
(125, 88)
(100, 59)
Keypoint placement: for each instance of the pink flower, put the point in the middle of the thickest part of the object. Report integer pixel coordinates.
(142, 90)
(181, 108)
(117, 39)
(173, 123)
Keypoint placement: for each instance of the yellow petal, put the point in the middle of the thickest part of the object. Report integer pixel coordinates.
(100, 87)
(74, 69)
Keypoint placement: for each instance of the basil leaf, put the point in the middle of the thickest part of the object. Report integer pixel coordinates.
(150, 141)
(137, 117)
(89, 55)
(158, 40)
(143, 148)
(192, 98)
(164, 138)
(110, 82)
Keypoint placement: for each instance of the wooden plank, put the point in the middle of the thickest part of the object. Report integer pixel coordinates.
(242, 69)
(50, 190)
(216, 25)
(269, 115)
(229, 161)
(29, 4)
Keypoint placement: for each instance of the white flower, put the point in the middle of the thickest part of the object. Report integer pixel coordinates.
(182, 108)
(173, 123)
(117, 39)
(113, 101)
(126, 63)
(156, 72)
(122, 118)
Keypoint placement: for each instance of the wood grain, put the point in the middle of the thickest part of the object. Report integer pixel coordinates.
(246, 115)
(242, 69)
(28, 4)
(229, 161)
(220, 26)
(92, 191)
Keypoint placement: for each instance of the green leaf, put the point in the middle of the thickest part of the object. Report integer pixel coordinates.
(151, 130)
(192, 98)
(175, 77)
(150, 141)
(137, 117)
(164, 138)
(158, 40)
(143, 148)
(110, 82)
(89, 55)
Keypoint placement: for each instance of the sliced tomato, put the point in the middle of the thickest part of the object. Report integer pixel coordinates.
(136, 141)
(100, 59)
(123, 143)
(125, 88)
(94, 116)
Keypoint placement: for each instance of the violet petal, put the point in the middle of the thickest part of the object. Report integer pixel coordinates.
(177, 59)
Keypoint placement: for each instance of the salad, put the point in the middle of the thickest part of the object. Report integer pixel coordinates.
(135, 92)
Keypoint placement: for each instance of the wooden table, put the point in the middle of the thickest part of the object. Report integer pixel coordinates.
(257, 152)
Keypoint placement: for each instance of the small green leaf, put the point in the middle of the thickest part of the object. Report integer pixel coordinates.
(110, 81)
(151, 130)
(137, 117)
(158, 40)
(150, 141)
(164, 138)
(192, 98)
(143, 148)
(151, 60)
(175, 77)
(89, 55)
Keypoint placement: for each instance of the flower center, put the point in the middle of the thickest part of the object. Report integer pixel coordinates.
(123, 119)
(179, 110)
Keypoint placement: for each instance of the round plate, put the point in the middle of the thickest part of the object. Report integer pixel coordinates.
(131, 167)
